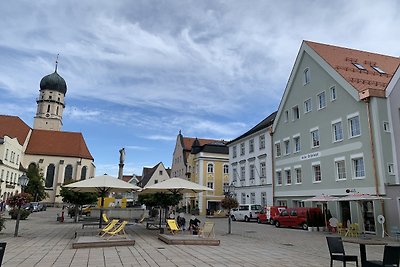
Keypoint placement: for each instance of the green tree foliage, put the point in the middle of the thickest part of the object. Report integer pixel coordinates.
(35, 185)
(77, 199)
(229, 203)
(160, 199)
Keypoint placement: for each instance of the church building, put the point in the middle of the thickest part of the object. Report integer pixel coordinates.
(61, 156)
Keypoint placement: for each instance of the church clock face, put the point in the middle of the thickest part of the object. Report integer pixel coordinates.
(47, 115)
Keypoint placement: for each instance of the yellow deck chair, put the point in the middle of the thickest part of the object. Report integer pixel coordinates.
(340, 229)
(173, 227)
(108, 227)
(105, 218)
(208, 230)
(353, 230)
(119, 230)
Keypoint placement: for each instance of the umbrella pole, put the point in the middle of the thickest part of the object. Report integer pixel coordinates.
(101, 211)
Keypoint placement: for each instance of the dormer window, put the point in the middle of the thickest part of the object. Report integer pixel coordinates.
(379, 70)
(359, 66)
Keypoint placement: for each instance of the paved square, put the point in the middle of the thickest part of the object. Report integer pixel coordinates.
(45, 242)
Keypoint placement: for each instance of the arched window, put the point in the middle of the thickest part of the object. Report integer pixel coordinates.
(210, 167)
(50, 176)
(226, 169)
(68, 173)
(83, 173)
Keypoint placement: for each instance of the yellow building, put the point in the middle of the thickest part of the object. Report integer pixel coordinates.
(208, 165)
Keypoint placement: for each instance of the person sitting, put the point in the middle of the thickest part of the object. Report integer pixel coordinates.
(181, 221)
(194, 225)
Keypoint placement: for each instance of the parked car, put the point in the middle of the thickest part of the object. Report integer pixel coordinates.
(296, 217)
(36, 206)
(246, 212)
(269, 213)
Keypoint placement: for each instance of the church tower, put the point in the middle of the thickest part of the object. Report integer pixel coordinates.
(50, 103)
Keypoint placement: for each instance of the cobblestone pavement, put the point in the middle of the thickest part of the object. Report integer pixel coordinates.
(45, 242)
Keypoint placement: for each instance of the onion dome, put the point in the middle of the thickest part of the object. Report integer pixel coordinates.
(53, 82)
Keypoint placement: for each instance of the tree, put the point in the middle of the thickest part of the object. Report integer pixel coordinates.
(77, 199)
(229, 203)
(35, 185)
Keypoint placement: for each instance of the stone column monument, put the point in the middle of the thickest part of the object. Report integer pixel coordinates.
(121, 162)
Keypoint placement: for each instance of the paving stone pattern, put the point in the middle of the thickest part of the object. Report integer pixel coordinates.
(45, 242)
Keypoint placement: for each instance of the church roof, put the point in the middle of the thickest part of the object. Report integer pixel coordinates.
(13, 127)
(54, 82)
(369, 73)
(53, 143)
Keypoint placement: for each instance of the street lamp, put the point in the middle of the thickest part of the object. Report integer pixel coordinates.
(228, 192)
(23, 181)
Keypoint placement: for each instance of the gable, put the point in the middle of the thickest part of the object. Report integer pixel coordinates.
(338, 62)
(14, 127)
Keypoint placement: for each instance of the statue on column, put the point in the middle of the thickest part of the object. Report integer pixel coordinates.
(122, 155)
(121, 162)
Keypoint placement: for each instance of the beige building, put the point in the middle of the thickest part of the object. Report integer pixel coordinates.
(206, 162)
(154, 175)
(61, 156)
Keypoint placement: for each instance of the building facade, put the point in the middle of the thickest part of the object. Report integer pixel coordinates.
(154, 175)
(61, 156)
(208, 165)
(250, 164)
(331, 131)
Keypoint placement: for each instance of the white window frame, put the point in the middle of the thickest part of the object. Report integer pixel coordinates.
(306, 76)
(234, 151)
(280, 174)
(333, 123)
(391, 169)
(295, 115)
(350, 117)
(316, 129)
(286, 115)
(251, 145)
(286, 146)
(353, 160)
(386, 127)
(263, 169)
(261, 141)
(225, 169)
(296, 149)
(276, 145)
(336, 161)
(333, 93)
(305, 105)
(296, 168)
(208, 167)
(242, 173)
(288, 171)
(319, 102)
(242, 148)
(252, 171)
(313, 165)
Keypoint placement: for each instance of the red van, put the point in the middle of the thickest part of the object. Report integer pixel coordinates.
(268, 214)
(296, 217)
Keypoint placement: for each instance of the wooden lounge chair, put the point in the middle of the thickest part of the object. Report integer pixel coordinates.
(173, 227)
(353, 230)
(119, 230)
(105, 218)
(341, 230)
(208, 230)
(108, 227)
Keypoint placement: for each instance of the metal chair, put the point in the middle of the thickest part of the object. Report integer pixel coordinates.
(391, 257)
(2, 250)
(336, 250)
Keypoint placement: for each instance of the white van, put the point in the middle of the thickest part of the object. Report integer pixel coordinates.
(246, 212)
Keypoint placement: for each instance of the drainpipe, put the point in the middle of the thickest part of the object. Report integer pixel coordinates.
(371, 140)
(272, 165)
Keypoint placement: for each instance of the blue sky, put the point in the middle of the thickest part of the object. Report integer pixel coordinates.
(139, 71)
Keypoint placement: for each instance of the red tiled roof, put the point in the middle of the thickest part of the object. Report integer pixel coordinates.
(368, 82)
(188, 142)
(127, 178)
(53, 143)
(14, 127)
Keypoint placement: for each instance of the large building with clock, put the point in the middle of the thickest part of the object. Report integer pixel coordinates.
(61, 156)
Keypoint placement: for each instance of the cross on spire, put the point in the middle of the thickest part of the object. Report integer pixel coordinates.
(57, 62)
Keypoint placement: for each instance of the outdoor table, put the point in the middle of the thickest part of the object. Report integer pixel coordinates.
(363, 242)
